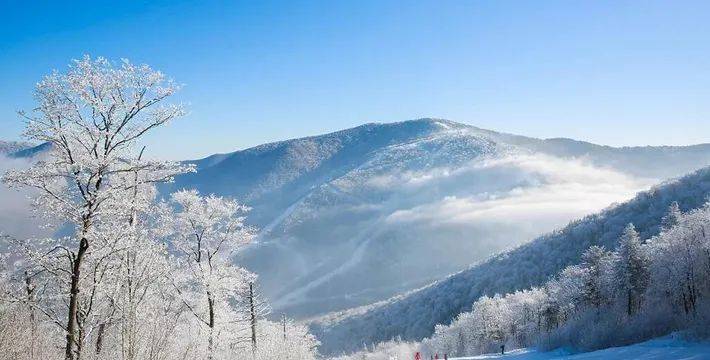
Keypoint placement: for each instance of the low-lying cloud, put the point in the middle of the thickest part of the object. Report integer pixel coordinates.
(542, 191)
(16, 216)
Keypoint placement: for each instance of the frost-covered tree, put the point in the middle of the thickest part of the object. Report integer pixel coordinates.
(586, 306)
(672, 217)
(142, 299)
(283, 341)
(92, 116)
(639, 291)
(205, 233)
(390, 350)
(565, 294)
(255, 307)
(631, 269)
(681, 261)
(19, 325)
(129, 278)
(597, 262)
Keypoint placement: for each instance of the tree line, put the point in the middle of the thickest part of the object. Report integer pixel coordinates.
(634, 292)
(639, 290)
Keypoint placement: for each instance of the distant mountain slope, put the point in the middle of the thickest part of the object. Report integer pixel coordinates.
(11, 147)
(279, 173)
(31, 151)
(318, 203)
(414, 315)
(359, 215)
(660, 162)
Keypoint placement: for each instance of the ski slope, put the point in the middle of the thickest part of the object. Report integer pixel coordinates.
(666, 348)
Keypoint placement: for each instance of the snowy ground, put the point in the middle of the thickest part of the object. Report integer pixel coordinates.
(666, 348)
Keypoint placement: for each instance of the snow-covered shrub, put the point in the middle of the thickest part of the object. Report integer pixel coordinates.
(390, 350)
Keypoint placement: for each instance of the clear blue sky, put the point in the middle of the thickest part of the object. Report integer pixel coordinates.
(610, 72)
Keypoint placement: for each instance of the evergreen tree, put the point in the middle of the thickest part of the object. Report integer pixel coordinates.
(594, 261)
(672, 217)
(631, 269)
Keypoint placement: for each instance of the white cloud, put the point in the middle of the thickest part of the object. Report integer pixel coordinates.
(16, 217)
(540, 191)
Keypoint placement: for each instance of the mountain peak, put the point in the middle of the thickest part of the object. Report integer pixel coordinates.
(434, 123)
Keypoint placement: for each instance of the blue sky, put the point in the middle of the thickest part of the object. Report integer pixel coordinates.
(610, 72)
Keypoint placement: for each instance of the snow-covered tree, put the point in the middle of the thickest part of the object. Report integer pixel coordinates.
(597, 262)
(142, 299)
(92, 116)
(639, 291)
(204, 234)
(256, 308)
(130, 278)
(390, 350)
(672, 217)
(631, 269)
(283, 341)
(681, 261)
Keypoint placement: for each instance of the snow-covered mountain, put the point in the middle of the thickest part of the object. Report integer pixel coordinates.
(413, 316)
(359, 215)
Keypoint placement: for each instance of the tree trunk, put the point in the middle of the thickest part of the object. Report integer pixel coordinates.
(629, 309)
(29, 289)
(100, 338)
(74, 300)
(283, 317)
(252, 314)
(210, 345)
(210, 339)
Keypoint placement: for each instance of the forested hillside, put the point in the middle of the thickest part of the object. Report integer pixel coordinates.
(642, 288)
(414, 315)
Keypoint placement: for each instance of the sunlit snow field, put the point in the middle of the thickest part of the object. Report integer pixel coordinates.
(666, 348)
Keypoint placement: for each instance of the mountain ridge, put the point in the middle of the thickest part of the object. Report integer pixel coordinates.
(546, 144)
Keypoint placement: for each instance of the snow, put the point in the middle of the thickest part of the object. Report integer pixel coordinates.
(443, 124)
(666, 348)
(280, 219)
(363, 240)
